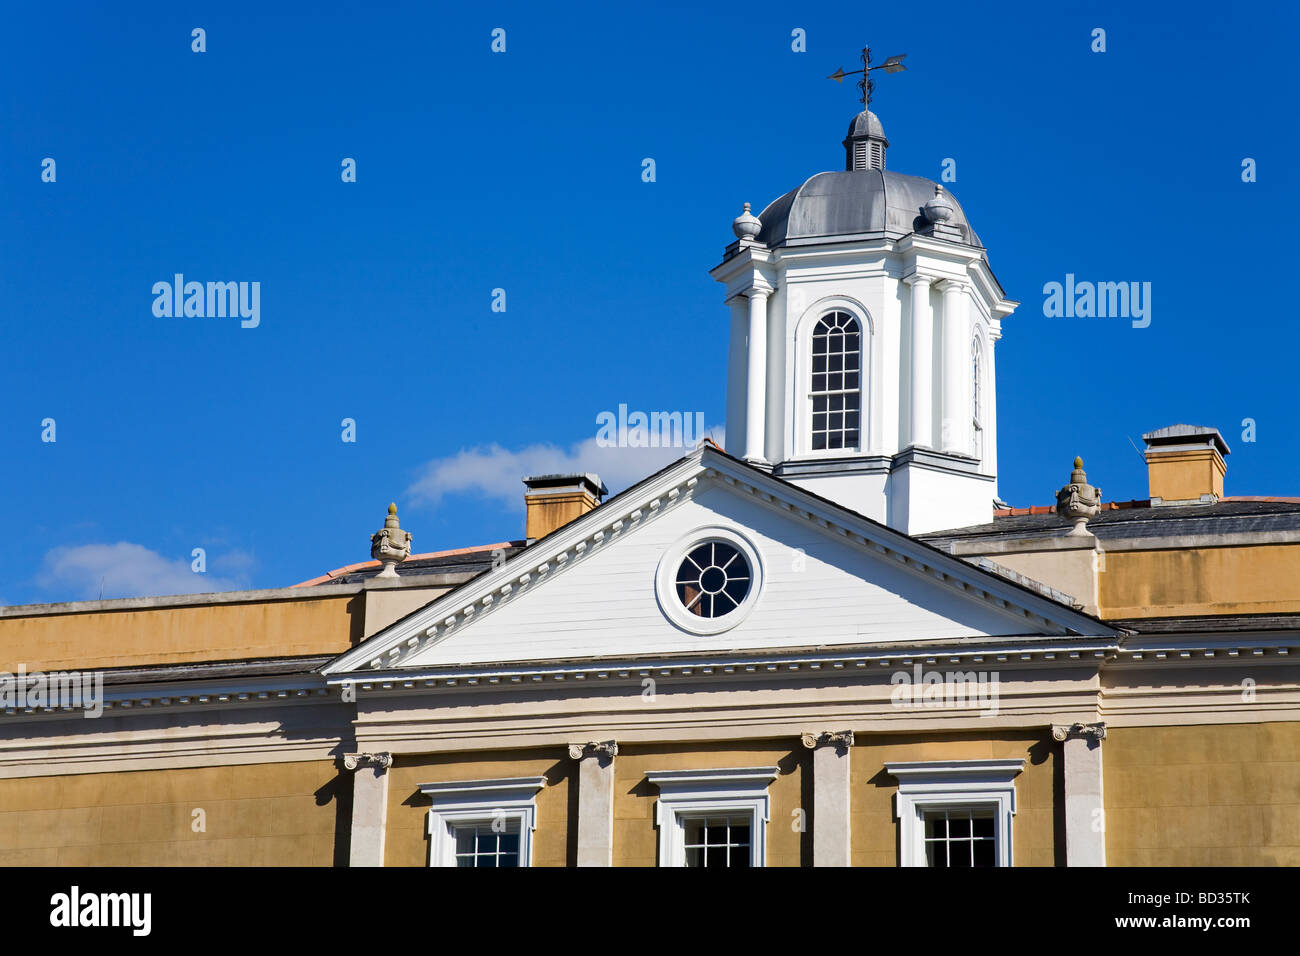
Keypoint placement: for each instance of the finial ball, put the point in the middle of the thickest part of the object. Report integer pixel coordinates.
(392, 508)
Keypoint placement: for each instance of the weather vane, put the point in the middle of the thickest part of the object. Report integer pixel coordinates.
(893, 65)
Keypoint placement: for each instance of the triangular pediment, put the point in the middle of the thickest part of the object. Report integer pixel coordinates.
(606, 585)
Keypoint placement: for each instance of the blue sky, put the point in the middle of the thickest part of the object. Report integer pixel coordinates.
(522, 171)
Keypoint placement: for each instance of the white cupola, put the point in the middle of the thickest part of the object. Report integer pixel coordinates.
(864, 316)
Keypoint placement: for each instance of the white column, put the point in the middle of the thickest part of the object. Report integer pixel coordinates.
(1085, 809)
(595, 802)
(955, 418)
(773, 443)
(369, 807)
(736, 374)
(756, 380)
(922, 411)
(830, 809)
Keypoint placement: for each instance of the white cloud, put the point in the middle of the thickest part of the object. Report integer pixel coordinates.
(132, 570)
(497, 473)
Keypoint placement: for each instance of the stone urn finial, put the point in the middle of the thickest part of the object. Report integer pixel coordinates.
(390, 544)
(1078, 501)
(746, 225)
(938, 209)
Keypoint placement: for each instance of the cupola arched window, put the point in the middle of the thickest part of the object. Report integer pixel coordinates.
(836, 387)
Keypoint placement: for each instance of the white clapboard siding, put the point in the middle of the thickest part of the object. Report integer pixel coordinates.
(604, 604)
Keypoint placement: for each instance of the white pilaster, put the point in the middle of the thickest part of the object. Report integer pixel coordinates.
(756, 378)
(595, 802)
(369, 807)
(955, 418)
(1085, 809)
(830, 810)
(737, 371)
(922, 327)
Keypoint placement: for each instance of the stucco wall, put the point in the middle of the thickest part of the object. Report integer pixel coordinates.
(1261, 579)
(177, 635)
(274, 814)
(1211, 795)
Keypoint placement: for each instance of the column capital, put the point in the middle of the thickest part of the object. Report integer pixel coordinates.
(917, 278)
(607, 748)
(759, 290)
(952, 285)
(381, 761)
(1079, 730)
(840, 739)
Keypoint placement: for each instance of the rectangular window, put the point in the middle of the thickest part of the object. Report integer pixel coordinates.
(712, 817)
(482, 822)
(717, 841)
(955, 813)
(961, 837)
(487, 843)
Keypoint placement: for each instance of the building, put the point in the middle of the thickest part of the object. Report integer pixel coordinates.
(831, 644)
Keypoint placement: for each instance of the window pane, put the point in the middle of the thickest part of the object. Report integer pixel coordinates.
(959, 824)
(465, 839)
(984, 827)
(740, 856)
(985, 852)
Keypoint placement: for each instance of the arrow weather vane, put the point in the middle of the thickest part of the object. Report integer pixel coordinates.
(893, 65)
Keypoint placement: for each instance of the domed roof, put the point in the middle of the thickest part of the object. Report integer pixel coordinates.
(866, 123)
(859, 202)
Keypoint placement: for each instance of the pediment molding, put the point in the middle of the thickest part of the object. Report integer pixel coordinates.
(588, 535)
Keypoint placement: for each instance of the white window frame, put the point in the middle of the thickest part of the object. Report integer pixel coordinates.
(461, 802)
(801, 388)
(692, 793)
(950, 784)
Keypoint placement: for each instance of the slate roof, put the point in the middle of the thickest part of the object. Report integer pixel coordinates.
(1227, 516)
(1210, 623)
(463, 560)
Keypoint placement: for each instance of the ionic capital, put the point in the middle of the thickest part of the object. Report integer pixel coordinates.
(606, 748)
(1079, 731)
(840, 739)
(380, 760)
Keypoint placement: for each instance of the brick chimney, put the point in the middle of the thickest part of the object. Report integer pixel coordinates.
(1185, 465)
(553, 501)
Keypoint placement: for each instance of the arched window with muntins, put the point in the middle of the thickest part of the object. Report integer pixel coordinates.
(836, 387)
